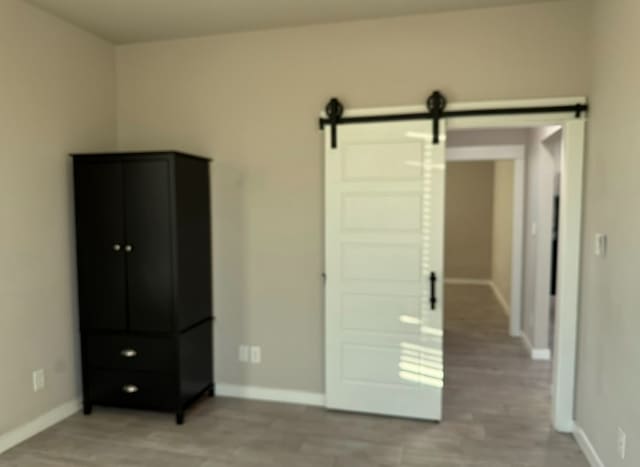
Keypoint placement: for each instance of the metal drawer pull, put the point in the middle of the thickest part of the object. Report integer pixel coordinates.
(130, 388)
(116, 247)
(128, 353)
(128, 248)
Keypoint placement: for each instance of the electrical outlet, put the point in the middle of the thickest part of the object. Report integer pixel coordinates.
(534, 229)
(243, 353)
(622, 443)
(256, 356)
(38, 380)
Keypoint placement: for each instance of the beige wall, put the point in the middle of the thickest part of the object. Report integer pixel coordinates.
(469, 220)
(609, 348)
(502, 237)
(57, 93)
(251, 101)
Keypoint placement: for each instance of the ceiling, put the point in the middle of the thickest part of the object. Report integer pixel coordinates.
(126, 21)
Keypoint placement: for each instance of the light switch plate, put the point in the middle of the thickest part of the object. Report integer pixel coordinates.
(600, 247)
(38, 380)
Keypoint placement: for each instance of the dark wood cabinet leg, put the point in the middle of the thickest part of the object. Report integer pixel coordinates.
(179, 418)
(211, 392)
(87, 407)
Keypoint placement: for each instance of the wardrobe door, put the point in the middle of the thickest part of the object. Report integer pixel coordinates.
(148, 248)
(100, 240)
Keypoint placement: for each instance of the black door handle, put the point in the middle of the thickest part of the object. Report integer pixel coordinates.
(433, 279)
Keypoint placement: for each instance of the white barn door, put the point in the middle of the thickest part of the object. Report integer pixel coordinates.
(384, 204)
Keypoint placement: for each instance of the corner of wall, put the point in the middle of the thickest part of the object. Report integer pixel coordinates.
(60, 98)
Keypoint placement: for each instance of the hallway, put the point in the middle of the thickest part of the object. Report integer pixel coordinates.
(496, 414)
(493, 388)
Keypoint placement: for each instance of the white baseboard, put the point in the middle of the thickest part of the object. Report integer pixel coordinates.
(466, 281)
(587, 448)
(536, 353)
(503, 302)
(32, 428)
(541, 354)
(269, 394)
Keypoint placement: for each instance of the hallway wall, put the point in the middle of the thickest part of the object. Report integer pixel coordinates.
(502, 228)
(469, 220)
(541, 168)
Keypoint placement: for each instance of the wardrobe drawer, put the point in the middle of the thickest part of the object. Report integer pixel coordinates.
(120, 352)
(133, 389)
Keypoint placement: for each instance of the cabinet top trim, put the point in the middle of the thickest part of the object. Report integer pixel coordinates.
(137, 154)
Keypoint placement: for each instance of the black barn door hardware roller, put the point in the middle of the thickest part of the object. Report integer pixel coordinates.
(436, 105)
(334, 110)
(436, 111)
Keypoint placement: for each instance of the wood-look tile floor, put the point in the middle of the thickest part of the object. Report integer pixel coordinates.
(496, 414)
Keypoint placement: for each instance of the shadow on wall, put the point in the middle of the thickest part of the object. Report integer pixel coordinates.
(229, 281)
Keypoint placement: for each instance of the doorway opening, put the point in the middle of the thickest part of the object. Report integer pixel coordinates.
(501, 256)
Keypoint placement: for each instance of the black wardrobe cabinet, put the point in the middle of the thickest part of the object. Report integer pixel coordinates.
(144, 279)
